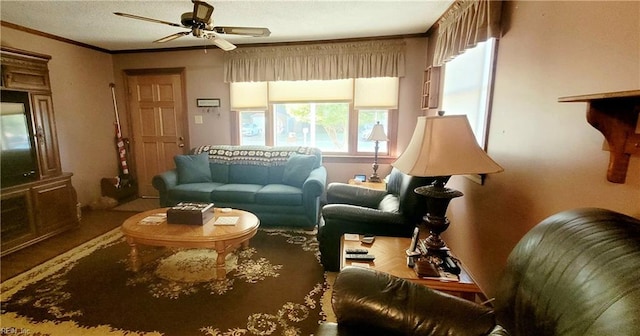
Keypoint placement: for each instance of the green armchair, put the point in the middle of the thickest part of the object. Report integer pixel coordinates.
(393, 212)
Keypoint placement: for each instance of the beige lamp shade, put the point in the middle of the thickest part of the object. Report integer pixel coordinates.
(444, 146)
(377, 133)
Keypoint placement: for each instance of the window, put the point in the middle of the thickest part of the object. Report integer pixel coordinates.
(322, 125)
(467, 86)
(336, 116)
(252, 126)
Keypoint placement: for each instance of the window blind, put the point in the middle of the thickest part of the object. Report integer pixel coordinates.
(376, 93)
(248, 96)
(366, 93)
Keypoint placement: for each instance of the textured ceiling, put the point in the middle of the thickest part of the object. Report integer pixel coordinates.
(93, 22)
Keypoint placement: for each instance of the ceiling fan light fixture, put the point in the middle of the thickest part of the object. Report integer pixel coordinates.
(199, 22)
(202, 11)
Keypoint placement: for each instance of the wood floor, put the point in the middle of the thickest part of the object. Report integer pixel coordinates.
(93, 224)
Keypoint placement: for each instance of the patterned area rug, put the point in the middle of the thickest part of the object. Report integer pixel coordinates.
(274, 287)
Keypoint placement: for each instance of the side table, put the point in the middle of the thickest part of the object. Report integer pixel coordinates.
(392, 259)
(370, 185)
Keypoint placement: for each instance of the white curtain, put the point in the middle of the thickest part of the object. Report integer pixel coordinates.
(325, 61)
(465, 24)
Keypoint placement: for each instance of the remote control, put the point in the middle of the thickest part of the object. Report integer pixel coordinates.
(356, 251)
(367, 257)
(368, 239)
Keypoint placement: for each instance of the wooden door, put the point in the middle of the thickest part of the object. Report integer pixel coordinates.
(158, 124)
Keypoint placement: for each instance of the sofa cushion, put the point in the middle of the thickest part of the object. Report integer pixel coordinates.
(236, 193)
(219, 172)
(279, 194)
(192, 168)
(250, 174)
(193, 192)
(275, 174)
(297, 169)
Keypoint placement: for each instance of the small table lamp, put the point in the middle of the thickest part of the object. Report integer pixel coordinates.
(442, 146)
(377, 135)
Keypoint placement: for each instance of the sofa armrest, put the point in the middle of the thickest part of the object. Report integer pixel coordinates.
(338, 219)
(312, 189)
(163, 183)
(315, 184)
(372, 302)
(353, 214)
(343, 193)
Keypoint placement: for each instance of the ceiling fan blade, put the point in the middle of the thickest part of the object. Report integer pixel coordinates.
(202, 11)
(131, 16)
(250, 31)
(220, 42)
(171, 37)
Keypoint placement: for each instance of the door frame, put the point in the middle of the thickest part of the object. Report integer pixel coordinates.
(185, 116)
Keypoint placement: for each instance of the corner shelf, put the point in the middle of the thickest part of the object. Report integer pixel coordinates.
(430, 87)
(615, 115)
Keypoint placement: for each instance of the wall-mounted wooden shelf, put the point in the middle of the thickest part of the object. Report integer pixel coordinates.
(430, 87)
(615, 115)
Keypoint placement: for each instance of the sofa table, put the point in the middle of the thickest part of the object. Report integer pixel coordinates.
(392, 259)
(141, 229)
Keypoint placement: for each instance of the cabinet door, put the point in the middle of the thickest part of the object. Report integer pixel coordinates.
(17, 222)
(46, 137)
(55, 206)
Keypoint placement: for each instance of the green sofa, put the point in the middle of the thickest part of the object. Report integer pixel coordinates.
(281, 185)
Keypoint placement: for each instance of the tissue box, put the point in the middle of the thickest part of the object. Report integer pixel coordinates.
(190, 213)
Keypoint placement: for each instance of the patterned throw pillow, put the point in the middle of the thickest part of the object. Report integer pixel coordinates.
(297, 169)
(193, 168)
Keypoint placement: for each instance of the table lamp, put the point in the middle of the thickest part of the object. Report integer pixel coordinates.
(377, 135)
(442, 146)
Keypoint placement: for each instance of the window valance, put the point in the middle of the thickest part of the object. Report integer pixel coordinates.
(325, 61)
(463, 25)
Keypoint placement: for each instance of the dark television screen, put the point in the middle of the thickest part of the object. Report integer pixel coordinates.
(17, 155)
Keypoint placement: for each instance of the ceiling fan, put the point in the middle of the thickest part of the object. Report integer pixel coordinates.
(199, 21)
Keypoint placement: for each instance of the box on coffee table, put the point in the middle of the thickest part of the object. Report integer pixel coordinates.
(190, 213)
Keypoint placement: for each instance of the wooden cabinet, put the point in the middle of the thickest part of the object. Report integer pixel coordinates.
(45, 205)
(35, 211)
(28, 72)
(430, 87)
(18, 226)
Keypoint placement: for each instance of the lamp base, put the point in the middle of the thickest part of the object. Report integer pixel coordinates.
(438, 197)
(374, 177)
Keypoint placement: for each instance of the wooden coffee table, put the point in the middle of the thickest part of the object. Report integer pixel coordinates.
(392, 259)
(222, 238)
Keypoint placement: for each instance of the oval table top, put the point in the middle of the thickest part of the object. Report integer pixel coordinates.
(161, 231)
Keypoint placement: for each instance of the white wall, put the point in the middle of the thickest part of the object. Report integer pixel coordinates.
(553, 159)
